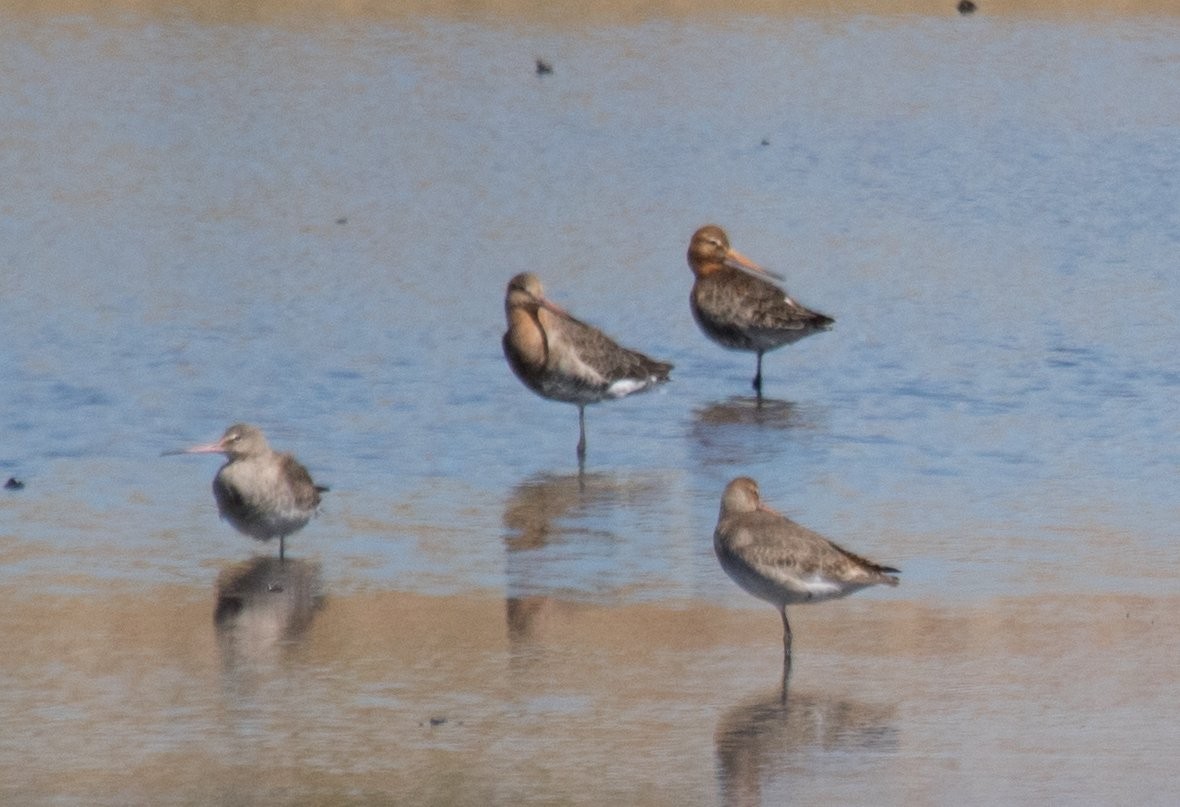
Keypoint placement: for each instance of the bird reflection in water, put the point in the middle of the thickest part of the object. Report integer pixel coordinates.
(741, 429)
(741, 410)
(544, 511)
(265, 605)
(536, 505)
(760, 740)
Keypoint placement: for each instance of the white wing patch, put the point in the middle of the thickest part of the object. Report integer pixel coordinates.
(817, 586)
(625, 386)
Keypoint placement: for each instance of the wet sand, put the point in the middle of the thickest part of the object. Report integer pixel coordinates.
(123, 697)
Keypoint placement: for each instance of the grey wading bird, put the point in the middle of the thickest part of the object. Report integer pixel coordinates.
(261, 492)
(782, 562)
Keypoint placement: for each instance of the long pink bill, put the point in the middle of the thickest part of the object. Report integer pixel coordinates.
(739, 261)
(203, 448)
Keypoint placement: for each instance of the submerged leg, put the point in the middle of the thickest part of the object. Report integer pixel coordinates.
(786, 650)
(581, 433)
(282, 546)
(758, 376)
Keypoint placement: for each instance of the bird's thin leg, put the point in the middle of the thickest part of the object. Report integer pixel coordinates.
(581, 434)
(786, 650)
(283, 547)
(758, 377)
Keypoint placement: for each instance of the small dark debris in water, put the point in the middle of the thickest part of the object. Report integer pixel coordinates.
(543, 67)
(342, 220)
(765, 142)
(437, 721)
(14, 484)
(966, 7)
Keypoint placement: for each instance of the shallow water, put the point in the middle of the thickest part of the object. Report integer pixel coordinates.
(307, 222)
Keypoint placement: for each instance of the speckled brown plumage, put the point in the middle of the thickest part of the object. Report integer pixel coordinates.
(739, 310)
(564, 359)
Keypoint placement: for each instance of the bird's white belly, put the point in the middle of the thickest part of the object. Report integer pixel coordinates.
(786, 589)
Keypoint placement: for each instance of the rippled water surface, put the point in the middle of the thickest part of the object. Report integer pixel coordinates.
(307, 220)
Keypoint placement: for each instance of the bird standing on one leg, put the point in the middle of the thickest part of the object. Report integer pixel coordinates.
(782, 562)
(262, 493)
(563, 359)
(737, 307)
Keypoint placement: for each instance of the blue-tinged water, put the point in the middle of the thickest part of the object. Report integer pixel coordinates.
(310, 228)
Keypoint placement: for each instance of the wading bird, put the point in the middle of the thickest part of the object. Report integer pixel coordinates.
(782, 562)
(261, 492)
(563, 359)
(736, 304)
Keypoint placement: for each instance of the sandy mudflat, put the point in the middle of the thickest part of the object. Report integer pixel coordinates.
(136, 695)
